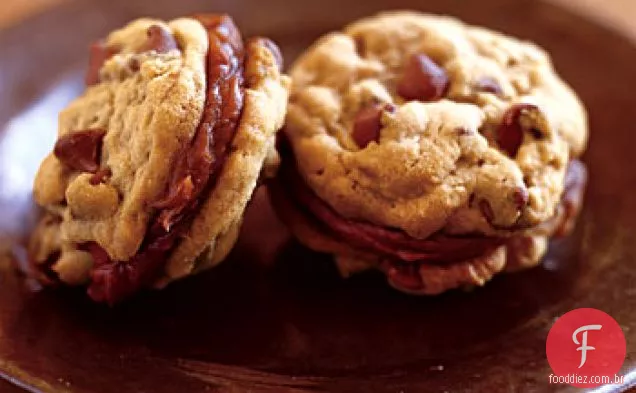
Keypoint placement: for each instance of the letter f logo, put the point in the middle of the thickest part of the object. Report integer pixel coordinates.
(584, 347)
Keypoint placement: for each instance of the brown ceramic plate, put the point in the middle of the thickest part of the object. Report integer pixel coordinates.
(275, 317)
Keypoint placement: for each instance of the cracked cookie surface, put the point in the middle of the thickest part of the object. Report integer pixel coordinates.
(440, 162)
(150, 104)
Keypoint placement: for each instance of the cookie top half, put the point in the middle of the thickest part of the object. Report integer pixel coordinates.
(423, 123)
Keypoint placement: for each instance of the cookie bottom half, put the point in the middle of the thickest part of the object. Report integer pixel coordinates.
(431, 276)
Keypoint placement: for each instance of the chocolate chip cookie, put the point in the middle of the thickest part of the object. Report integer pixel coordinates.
(155, 162)
(437, 152)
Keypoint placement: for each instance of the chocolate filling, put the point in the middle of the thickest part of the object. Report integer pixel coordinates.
(194, 175)
(391, 243)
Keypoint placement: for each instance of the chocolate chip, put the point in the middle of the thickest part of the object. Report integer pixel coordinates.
(99, 52)
(159, 39)
(133, 64)
(100, 176)
(462, 131)
(423, 80)
(510, 132)
(367, 125)
(486, 210)
(527, 180)
(520, 197)
(80, 150)
(488, 85)
(274, 50)
(536, 133)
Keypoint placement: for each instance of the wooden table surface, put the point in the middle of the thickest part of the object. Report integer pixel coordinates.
(618, 14)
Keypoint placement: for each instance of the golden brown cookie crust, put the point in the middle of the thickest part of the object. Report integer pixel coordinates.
(148, 114)
(432, 166)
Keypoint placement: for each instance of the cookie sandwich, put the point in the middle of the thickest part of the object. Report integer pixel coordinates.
(436, 152)
(156, 161)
